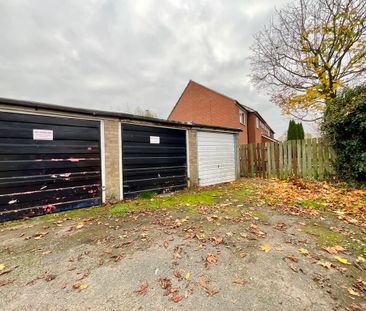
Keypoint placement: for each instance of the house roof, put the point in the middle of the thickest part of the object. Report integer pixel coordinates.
(270, 138)
(101, 113)
(227, 97)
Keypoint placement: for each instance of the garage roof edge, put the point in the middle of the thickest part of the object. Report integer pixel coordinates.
(101, 113)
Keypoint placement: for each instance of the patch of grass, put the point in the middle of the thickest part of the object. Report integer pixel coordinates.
(147, 195)
(119, 209)
(177, 199)
(310, 203)
(326, 237)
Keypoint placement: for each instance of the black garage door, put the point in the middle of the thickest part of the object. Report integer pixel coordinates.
(47, 164)
(153, 159)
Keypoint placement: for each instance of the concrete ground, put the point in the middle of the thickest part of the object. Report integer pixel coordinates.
(217, 250)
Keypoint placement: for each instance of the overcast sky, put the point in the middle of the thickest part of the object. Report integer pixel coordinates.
(120, 55)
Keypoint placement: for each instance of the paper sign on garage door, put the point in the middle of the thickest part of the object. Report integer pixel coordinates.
(42, 134)
(154, 140)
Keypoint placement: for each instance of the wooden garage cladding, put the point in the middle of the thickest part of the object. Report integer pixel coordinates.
(47, 164)
(153, 159)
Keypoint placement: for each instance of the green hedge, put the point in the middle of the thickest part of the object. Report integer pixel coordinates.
(344, 126)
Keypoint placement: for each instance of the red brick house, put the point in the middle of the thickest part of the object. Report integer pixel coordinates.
(199, 104)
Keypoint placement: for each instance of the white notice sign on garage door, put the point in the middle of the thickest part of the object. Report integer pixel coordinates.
(154, 140)
(42, 134)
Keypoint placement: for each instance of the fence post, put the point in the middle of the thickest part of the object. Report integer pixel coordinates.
(303, 159)
(309, 157)
(298, 154)
(321, 158)
(269, 159)
(251, 159)
(281, 167)
(314, 158)
(273, 158)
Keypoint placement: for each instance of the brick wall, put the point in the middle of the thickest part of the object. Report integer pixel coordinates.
(254, 133)
(204, 106)
(112, 162)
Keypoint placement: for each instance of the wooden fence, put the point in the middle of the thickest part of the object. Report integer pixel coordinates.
(308, 158)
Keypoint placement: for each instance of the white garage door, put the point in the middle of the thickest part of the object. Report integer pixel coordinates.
(216, 157)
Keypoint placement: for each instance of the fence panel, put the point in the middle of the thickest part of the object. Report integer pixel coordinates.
(308, 158)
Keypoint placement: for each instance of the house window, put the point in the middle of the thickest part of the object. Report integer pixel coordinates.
(243, 117)
(257, 123)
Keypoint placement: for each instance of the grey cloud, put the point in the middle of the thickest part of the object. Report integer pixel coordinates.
(119, 55)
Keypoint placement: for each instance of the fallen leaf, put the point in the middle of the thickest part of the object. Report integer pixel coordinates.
(83, 286)
(202, 282)
(292, 258)
(176, 297)
(6, 282)
(211, 258)
(239, 281)
(304, 251)
(353, 292)
(177, 274)
(325, 264)
(342, 260)
(360, 284)
(119, 256)
(79, 225)
(292, 266)
(218, 241)
(2, 267)
(188, 275)
(165, 283)
(360, 258)
(265, 248)
(355, 307)
(334, 250)
(280, 226)
(40, 235)
(212, 292)
(254, 229)
(242, 254)
(81, 276)
(142, 289)
(177, 252)
(165, 244)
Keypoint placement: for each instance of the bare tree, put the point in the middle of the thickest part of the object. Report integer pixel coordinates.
(310, 49)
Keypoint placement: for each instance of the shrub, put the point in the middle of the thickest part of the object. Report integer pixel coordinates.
(344, 126)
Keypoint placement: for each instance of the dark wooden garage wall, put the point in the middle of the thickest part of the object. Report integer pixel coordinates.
(153, 167)
(42, 176)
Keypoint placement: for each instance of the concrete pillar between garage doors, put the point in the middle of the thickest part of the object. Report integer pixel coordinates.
(192, 158)
(112, 160)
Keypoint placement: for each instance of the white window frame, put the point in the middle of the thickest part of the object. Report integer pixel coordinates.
(242, 117)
